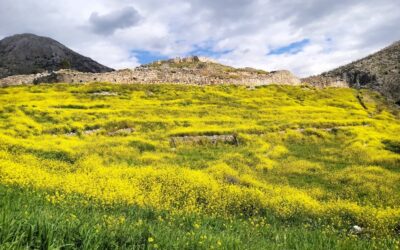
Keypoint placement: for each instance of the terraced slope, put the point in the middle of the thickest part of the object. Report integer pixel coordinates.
(176, 166)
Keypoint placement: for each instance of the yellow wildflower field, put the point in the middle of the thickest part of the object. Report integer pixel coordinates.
(293, 152)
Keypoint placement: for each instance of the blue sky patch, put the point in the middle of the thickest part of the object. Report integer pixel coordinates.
(292, 48)
(207, 51)
(145, 56)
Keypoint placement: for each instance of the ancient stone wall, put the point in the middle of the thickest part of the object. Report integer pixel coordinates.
(158, 75)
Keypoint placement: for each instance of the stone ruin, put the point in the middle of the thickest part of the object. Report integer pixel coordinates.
(191, 70)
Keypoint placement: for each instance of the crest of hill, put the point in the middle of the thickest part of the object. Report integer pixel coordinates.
(201, 64)
(31, 54)
(379, 71)
(191, 70)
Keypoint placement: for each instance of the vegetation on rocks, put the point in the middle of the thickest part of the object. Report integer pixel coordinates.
(379, 71)
(93, 166)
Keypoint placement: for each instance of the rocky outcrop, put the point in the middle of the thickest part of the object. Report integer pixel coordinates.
(379, 71)
(323, 82)
(31, 54)
(192, 70)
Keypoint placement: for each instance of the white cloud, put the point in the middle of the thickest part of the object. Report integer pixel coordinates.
(108, 54)
(339, 31)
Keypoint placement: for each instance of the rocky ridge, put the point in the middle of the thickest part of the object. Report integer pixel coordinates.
(379, 71)
(190, 70)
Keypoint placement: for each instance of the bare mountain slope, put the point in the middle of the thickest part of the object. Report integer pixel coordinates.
(30, 54)
(379, 71)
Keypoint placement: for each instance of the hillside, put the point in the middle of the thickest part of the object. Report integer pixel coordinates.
(30, 54)
(151, 166)
(379, 71)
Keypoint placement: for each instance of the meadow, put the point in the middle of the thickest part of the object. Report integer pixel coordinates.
(164, 166)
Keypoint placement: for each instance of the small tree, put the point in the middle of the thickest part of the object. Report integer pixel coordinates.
(65, 64)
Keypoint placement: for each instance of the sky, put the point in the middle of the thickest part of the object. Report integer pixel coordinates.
(306, 37)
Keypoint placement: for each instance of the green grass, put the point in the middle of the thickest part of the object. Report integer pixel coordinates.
(80, 170)
(29, 221)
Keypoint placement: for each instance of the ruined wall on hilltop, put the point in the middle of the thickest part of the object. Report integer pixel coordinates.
(160, 75)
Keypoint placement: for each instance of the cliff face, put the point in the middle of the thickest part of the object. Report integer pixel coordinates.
(192, 70)
(31, 54)
(379, 71)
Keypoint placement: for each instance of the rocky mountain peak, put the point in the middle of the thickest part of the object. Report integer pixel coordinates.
(30, 54)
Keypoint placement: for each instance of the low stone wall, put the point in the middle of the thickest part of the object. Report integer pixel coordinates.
(19, 79)
(203, 140)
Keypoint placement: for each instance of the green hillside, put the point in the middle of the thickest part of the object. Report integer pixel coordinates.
(186, 167)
